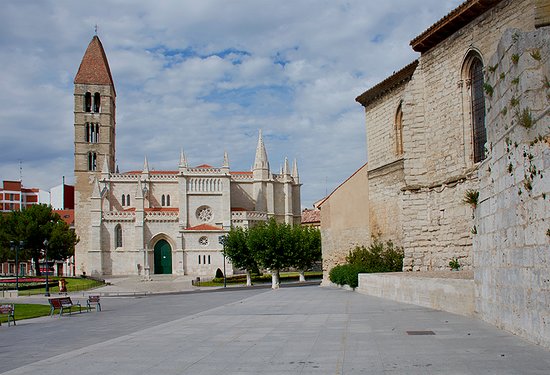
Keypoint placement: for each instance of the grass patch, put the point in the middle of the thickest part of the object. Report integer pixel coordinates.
(74, 284)
(27, 311)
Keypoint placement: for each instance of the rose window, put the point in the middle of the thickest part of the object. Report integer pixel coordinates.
(203, 241)
(204, 214)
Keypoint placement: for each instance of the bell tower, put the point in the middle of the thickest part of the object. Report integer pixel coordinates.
(94, 146)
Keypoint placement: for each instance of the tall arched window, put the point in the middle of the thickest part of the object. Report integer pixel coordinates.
(163, 200)
(97, 102)
(118, 236)
(127, 199)
(168, 200)
(478, 108)
(399, 131)
(92, 161)
(123, 200)
(88, 102)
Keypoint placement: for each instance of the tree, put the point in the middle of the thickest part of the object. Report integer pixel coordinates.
(34, 225)
(271, 245)
(237, 250)
(306, 248)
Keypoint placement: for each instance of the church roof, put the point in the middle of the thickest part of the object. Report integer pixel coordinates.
(203, 227)
(452, 22)
(94, 68)
(387, 85)
(152, 172)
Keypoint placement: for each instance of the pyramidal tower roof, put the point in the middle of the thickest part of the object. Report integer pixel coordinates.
(94, 68)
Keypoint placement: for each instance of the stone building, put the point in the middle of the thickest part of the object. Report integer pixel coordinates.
(426, 134)
(165, 221)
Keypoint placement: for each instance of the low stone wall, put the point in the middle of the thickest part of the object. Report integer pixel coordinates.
(447, 291)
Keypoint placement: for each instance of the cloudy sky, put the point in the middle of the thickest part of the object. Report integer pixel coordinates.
(205, 76)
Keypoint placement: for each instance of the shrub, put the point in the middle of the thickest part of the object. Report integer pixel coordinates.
(378, 257)
(346, 274)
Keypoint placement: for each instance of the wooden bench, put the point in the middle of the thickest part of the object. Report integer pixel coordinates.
(8, 310)
(93, 301)
(63, 304)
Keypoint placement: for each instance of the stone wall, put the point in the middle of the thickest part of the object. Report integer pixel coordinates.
(344, 220)
(512, 247)
(438, 163)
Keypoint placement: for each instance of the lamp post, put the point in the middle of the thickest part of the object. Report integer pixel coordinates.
(47, 294)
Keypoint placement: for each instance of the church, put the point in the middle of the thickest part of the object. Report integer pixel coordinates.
(160, 222)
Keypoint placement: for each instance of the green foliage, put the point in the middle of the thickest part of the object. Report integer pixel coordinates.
(454, 264)
(492, 68)
(515, 81)
(33, 226)
(502, 76)
(504, 111)
(306, 249)
(378, 257)
(535, 54)
(237, 250)
(515, 58)
(271, 244)
(346, 274)
(488, 89)
(514, 101)
(27, 311)
(525, 118)
(471, 197)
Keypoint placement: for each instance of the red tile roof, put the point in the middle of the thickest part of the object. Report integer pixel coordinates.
(311, 216)
(94, 68)
(151, 172)
(204, 166)
(202, 227)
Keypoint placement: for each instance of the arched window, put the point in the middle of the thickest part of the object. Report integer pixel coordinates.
(163, 200)
(97, 102)
(168, 200)
(118, 236)
(199, 259)
(399, 131)
(209, 259)
(87, 137)
(127, 199)
(92, 161)
(88, 102)
(123, 200)
(478, 108)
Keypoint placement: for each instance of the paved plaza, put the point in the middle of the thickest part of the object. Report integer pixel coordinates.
(298, 330)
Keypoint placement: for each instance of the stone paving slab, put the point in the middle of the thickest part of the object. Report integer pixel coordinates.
(306, 330)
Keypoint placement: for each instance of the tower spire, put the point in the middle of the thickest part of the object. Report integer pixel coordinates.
(260, 161)
(225, 160)
(295, 169)
(94, 68)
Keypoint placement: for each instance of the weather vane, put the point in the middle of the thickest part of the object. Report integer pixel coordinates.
(95, 29)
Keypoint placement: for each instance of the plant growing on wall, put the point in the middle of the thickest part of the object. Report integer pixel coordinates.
(471, 197)
(454, 264)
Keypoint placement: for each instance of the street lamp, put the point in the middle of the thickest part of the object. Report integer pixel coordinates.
(47, 294)
(16, 246)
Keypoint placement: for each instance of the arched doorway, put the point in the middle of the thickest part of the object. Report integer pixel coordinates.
(163, 257)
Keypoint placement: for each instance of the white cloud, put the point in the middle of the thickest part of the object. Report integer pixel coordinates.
(204, 75)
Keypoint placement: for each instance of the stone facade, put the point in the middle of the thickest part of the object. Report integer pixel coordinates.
(512, 257)
(344, 220)
(160, 221)
(416, 189)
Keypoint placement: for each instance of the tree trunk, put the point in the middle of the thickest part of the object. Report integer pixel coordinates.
(274, 279)
(248, 278)
(36, 259)
(302, 276)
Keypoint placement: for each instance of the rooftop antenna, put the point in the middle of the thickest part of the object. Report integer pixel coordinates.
(20, 170)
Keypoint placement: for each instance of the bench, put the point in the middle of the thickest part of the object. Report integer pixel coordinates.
(8, 310)
(63, 304)
(93, 301)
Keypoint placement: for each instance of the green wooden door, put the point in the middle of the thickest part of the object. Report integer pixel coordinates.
(163, 257)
